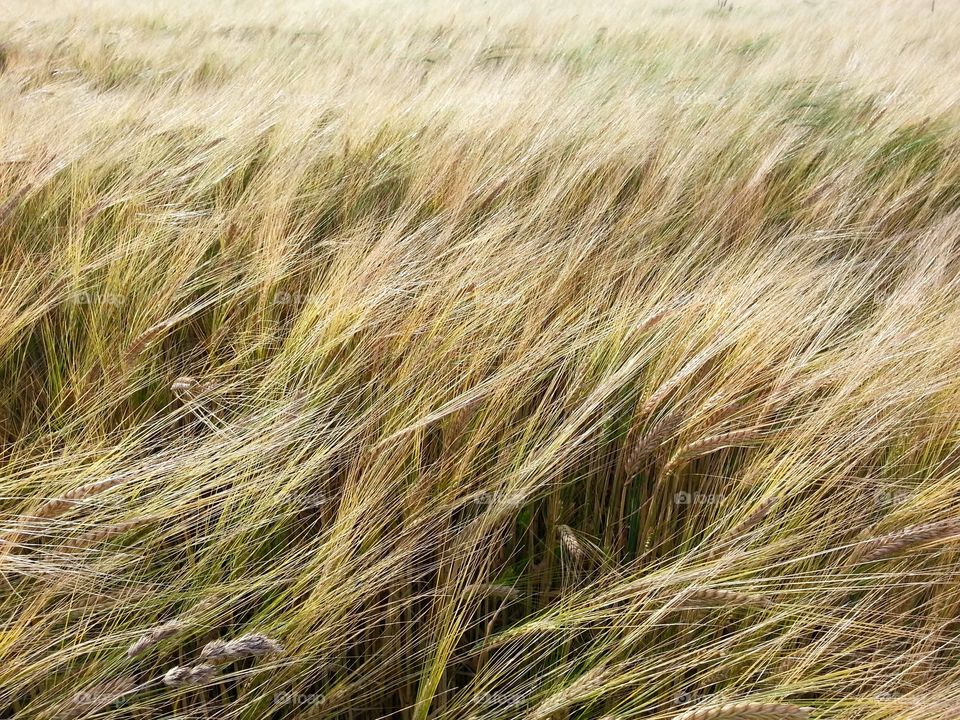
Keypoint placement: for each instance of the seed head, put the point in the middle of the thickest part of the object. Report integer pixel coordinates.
(197, 675)
(219, 651)
(154, 636)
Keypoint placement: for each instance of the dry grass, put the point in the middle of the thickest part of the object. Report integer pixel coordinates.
(479, 360)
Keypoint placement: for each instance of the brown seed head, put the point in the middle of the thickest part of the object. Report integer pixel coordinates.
(196, 675)
(59, 505)
(707, 445)
(894, 543)
(570, 542)
(154, 636)
(713, 596)
(245, 646)
(747, 711)
(649, 442)
(185, 386)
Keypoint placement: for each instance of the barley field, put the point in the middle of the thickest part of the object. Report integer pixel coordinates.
(422, 360)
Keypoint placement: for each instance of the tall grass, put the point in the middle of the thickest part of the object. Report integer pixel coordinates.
(445, 360)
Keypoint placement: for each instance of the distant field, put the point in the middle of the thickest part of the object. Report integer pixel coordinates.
(492, 360)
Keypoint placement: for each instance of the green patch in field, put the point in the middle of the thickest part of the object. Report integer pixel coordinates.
(754, 47)
(109, 70)
(913, 149)
(635, 51)
(231, 186)
(823, 106)
(499, 53)
(212, 71)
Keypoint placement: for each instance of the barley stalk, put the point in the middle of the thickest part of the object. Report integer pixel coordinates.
(140, 343)
(181, 676)
(894, 543)
(184, 386)
(220, 651)
(570, 542)
(668, 387)
(656, 317)
(585, 686)
(751, 521)
(719, 412)
(13, 202)
(747, 711)
(650, 441)
(57, 506)
(707, 445)
(187, 388)
(713, 596)
(109, 531)
(154, 636)
(756, 517)
(94, 210)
